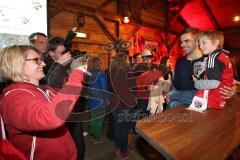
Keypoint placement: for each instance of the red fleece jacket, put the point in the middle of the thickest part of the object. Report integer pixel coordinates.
(26, 111)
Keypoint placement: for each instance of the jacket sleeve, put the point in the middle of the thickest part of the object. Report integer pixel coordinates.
(103, 81)
(206, 84)
(68, 40)
(28, 112)
(56, 76)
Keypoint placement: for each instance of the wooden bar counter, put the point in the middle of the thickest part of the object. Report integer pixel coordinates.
(187, 135)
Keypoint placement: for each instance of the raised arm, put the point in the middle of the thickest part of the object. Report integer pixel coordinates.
(33, 113)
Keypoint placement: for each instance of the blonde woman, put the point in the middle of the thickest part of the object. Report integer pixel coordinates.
(30, 112)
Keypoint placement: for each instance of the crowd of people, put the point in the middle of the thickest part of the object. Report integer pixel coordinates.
(48, 81)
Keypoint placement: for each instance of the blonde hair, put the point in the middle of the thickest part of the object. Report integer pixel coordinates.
(12, 59)
(213, 36)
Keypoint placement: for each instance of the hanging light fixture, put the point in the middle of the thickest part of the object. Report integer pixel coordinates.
(80, 20)
(126, 19)
(236, 18)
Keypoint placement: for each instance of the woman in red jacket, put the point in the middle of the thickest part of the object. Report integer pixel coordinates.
(30, 112)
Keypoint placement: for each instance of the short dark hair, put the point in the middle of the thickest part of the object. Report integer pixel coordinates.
(33, 36)
(194, 31)
(54, 42)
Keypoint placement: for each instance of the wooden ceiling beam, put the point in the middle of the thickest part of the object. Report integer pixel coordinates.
(211, 15)
(111, 16)
(106, 29)
(108, 15)
(104, 4)
(79, 8)
(183, 21)
(182, 5)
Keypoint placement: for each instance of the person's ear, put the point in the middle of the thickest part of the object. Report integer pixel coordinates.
(197, 43)
(216, 43)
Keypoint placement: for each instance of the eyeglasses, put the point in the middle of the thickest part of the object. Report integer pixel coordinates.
(37, 60)
(40, 42)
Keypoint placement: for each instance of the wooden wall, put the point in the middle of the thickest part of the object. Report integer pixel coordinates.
(66, 19)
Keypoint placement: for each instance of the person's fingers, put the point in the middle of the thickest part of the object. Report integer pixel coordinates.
(227, 92)
(235, 82)
(67, 56)
(169, 77)
(224, 92)
(74, 29)
(225, 97)
(194, 78)
(226, 88)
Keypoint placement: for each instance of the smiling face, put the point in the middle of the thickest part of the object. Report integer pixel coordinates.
(139, 59)
(41, 43)
(188, 43)
(208, 46)
(33, 67)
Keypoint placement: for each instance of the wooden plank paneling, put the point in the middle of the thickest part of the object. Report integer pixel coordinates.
(64, 20)
(112, 7)
(90, 3)
(153, 17)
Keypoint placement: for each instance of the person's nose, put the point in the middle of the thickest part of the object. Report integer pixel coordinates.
(182, 44)
(43, 63)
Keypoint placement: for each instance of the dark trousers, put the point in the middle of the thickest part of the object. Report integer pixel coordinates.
(76, 131)
(110, 134)
(142, 108)
(122, 123)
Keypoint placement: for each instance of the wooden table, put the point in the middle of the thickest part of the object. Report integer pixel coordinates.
(185, 135)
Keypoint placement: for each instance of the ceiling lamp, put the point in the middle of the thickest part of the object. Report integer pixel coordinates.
(81, 35)
(126, 20)
(236, 18)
